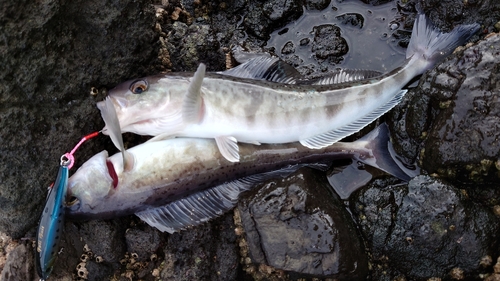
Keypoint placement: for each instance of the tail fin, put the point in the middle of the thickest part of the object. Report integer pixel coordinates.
(385, 158)
(433, 45)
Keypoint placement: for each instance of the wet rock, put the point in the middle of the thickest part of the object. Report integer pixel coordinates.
(206, 252)
(298, 225)
(263, 18)
(381, 29)
(256, 24)
(143, 243)
(92, 249)
(19, 265)
(328, 44)
(376, 2)
(317, 4)
(189, 45)
(289, 48)
(104, 239)
(425, 229)
(456, 110)
(278, 9)
(463, 143)
(353, 19)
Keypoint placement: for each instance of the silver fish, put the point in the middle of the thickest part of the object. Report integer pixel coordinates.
(265, 101)
(51, 224)
(182, 182)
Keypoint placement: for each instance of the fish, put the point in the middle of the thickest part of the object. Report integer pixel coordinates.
(182, 182)
(50, 226)
(264, 100)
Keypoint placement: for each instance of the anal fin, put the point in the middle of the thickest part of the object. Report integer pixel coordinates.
(330, 137)
(208, 204)
(228, 147)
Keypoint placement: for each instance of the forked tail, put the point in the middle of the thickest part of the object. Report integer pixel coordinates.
(432, 45)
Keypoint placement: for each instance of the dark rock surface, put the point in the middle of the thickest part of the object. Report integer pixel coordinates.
(208, 252)
(456, 110)
(19, 265)
(426, 228)
(322, 45)
(53, 52)
(298, 225)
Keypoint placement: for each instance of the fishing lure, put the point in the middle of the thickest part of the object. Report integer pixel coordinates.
(51, 223)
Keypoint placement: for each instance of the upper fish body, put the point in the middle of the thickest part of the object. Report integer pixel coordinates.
(181, 182)
(266, 101)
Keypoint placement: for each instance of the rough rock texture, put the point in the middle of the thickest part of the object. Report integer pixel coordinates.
(142, 242)
(53, 52)
(19, 264)
(209, 252)
(456, 109)
(425, 229)
(298, 225)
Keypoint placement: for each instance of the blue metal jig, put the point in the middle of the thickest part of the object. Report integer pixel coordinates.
(51, 223)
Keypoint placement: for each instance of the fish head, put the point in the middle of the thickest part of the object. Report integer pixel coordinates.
(142, 105)
(89, 186)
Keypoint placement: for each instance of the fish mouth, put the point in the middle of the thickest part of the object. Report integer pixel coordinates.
(118, 102)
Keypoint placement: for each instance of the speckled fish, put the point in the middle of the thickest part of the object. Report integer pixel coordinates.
(182, 182)
(266, 101)
(51, 224)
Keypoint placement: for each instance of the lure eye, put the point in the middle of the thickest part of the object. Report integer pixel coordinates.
(73, 203)
(139, 86)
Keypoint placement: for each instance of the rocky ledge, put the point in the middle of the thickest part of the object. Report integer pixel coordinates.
(58, 57)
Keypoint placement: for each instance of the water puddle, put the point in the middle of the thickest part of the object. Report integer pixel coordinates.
(374, 35)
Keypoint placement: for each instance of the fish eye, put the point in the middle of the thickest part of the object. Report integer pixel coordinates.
(139, 86)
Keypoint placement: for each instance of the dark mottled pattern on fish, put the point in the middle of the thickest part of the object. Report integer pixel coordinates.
(166, 173)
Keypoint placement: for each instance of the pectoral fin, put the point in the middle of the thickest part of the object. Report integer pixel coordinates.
(328, 138)
(228, 147)
(192, 107)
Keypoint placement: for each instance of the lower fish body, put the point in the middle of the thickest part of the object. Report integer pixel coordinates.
(182, 182)
(267, 101)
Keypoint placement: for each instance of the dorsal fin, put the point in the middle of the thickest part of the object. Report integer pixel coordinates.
(265, 68)
(193, 102)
